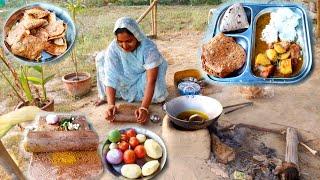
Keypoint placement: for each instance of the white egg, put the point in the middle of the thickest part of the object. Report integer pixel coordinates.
(52, 119)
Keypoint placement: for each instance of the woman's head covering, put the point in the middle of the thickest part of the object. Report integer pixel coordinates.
(131, 25)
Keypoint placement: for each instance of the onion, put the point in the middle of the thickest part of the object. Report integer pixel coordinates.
(114, 156)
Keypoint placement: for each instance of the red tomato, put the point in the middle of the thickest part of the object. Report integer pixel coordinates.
(133, 142)
(131, 133)
(140, 151)
(123, 146)
(129, 157)
(124, 137)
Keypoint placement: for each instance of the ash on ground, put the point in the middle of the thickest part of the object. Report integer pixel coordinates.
(253, 159)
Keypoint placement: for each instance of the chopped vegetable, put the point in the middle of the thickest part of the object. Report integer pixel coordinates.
(285, 66)
(278, 47)
(262, 59)
(272, 54)
(284, 55)
(68, 125)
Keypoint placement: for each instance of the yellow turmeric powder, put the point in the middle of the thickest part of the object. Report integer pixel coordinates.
(63, 158)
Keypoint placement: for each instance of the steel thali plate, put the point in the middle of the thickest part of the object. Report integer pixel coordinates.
(246, 38)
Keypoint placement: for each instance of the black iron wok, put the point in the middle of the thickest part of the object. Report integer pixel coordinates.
(207, 105)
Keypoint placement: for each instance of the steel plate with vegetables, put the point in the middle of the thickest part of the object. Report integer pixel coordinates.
(134, 153)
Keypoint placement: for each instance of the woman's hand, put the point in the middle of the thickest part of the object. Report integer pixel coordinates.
(110, 112)
(142, 115)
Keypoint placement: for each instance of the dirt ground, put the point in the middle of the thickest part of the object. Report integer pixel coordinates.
(290, 106)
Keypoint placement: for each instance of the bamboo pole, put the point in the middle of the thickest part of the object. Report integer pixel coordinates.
(152, 19)
(8, 164)
(318, 18)
(147, 11)
(155, 20)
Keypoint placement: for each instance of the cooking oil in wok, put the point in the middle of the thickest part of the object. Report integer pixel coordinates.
(185, 115)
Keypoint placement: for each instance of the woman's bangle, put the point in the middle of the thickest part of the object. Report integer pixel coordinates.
(111, 105)
(145, 109)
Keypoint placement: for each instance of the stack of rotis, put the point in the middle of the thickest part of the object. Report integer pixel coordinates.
(36, 31)
(222, 56)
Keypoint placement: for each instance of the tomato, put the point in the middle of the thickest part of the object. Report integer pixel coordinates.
(140, 151)
(129, 157)
(133, 142)
(124, 137)
(123, 146)
(131, 133)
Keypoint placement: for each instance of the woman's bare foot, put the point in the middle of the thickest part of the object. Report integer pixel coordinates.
(100, 102)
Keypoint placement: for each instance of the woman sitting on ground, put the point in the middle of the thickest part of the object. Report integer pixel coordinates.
(132, 69)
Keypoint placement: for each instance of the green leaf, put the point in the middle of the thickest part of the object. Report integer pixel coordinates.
(37, 68)
(25, 86)
(35, 80)
(48, 78)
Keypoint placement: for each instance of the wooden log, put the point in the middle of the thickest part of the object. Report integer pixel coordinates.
(8, 164)
(48, 141)
(292, 146)
(289, 170)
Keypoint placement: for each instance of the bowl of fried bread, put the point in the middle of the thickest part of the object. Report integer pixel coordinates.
(39, 33)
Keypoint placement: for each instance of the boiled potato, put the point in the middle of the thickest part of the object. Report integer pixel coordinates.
(141, 138)
(272, 54)
(153, 149)
(285, 66)
(279, 48)
(262, 59)
(150, 167)
(131, 171)
(285, 55)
